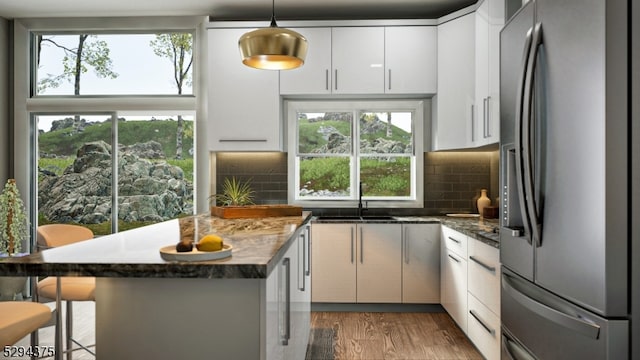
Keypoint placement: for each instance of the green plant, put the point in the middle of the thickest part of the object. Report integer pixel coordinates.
(234, 193)
(13, 219)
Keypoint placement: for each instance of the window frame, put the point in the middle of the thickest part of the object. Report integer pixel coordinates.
(416, 106)
(26, 104)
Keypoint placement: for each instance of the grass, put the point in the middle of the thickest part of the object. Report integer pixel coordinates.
(64, 142)
(382, 177)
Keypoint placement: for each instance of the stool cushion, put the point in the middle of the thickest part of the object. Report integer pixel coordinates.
(19, 318)
(72, 288)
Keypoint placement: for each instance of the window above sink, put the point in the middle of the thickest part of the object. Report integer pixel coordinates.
(335, 145)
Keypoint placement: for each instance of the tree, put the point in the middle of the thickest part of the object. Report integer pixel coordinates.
(177, 47)
(90, 53)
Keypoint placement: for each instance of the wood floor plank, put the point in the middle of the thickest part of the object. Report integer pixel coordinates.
(374, 336)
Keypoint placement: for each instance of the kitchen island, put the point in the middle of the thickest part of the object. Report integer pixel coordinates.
(251, 305)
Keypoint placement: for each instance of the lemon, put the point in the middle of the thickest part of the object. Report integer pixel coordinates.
(210, 242)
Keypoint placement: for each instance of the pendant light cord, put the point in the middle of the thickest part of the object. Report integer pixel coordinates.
(273, 14)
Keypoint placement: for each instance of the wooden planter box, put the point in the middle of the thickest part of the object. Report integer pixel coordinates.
(255, 211)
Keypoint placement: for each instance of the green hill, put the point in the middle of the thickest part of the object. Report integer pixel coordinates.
(65, 142)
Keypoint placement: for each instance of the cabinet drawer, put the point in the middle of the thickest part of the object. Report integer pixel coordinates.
(455, 241)
(483, 328)
(484, 274)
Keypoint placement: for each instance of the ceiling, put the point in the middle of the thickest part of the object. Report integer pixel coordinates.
(235, 9)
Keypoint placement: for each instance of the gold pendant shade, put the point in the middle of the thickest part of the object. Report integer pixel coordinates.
(273, 48)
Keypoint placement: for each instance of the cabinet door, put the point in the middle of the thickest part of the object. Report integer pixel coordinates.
(244, 106)
(301, 297)
(454, 283)
(379, 263)
(411, 59)
(314, 77)
(421, 263)
(333, 263)
(456, 90)
(273, 346)
(489, 22)
(357, 55)
(484, 274)
(483, 328)
(482, 75)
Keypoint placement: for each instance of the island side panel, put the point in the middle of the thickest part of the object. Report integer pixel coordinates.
(141, 318)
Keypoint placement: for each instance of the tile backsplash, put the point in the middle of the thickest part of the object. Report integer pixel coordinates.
(452, 180)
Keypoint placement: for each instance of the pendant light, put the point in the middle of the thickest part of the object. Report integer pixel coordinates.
(273, 48)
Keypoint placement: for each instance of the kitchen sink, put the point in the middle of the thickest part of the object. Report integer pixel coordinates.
(355, 218)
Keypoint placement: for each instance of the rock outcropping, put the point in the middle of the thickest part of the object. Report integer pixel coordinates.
(147, 191)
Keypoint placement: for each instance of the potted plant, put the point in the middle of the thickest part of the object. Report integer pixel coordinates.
(234, 193)
(13, 230)
(236, 201)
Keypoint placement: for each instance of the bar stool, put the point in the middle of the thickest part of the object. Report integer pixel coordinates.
(68, 288)
(19, 318)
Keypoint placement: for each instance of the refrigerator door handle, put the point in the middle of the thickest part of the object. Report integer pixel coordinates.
(527, 134)
(570, 321)
(518, 137)
(514, 350)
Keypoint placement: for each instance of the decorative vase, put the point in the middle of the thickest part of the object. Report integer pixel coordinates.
(483, 201)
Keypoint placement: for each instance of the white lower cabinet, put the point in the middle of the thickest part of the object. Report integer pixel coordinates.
(484, 298)
(357, 263)
(288, 294)
(454, 286)
(421, 263)
(483, 329)
(333, 266)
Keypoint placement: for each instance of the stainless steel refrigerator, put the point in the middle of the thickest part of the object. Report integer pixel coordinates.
(565, 236)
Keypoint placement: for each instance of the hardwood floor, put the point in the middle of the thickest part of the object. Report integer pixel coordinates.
(337, 335)
(371, 336)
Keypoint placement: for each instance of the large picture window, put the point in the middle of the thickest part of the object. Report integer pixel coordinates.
(108, 121)
(337, 146)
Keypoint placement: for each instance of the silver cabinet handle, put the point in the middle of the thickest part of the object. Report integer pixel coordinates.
(454, 240)
(483, 323)
(488, 116)
(389, 79)
(335, 79)
(473, 132)
(361, 246)
(484, 117)
(287, 324)
(454, 259)
(304, 262)
(490, 268)
(405, 240)
(326, 79)
(308, 239)
(352, 251)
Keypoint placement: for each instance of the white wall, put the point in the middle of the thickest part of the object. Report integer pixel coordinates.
(4, 100)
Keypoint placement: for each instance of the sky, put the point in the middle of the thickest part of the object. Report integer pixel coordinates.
(140, 71)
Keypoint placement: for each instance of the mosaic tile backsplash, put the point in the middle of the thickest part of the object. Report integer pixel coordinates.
(452, 180)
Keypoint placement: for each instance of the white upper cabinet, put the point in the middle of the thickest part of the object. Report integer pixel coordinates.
(411, 59)
(365, 60)
(454, 103)
(243, 103)
(358, 60)
(489, 22)
(314, 77)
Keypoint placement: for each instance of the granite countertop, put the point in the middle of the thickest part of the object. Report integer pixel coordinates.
(258, 245)
(485, 230)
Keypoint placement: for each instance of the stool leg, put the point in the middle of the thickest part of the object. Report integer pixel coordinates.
(58, 335)
(69, 329)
